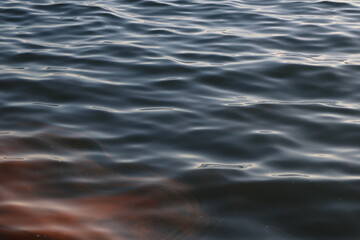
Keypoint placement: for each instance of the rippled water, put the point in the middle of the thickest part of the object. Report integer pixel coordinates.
(179, 119)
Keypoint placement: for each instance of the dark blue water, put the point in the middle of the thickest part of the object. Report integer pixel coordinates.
(180, 119)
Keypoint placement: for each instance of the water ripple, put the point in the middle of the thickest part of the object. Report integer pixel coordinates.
(154, 119)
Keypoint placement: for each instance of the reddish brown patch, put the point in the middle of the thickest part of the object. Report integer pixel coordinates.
(34, 204)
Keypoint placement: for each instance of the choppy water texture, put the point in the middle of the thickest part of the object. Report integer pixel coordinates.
(179, 119)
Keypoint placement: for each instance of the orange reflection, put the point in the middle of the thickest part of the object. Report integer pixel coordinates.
(48, 199)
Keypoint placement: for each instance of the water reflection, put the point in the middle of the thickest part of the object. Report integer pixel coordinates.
(52, 190)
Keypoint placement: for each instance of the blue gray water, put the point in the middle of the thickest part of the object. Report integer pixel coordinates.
(177, 119)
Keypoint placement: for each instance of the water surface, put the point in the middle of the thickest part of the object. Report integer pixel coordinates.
(179, 119)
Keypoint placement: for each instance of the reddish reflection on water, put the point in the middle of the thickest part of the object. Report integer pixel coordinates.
(47, 197)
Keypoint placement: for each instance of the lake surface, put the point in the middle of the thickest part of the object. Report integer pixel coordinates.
(177, 119)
